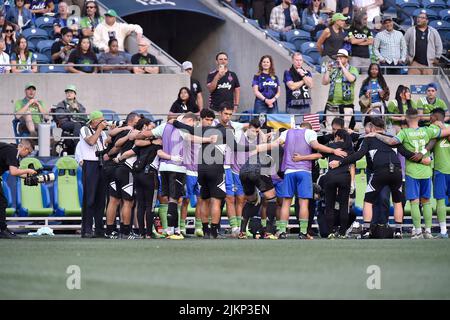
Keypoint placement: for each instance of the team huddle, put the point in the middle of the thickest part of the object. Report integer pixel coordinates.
(257, 172)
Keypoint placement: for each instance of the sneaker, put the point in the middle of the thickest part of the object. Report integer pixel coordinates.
(303, 236)
(112, 235)
(270, 236)
(282, 235)
(442, 236)
(199, 233)
(207, 236)
(219, 236)
(235, 232)
(175, 236)
(365, 235)
(130, 236)
(398, 235)
(417, 236)
(341, 236)
(427, 235)
(331, 236)
(242, 235)
(8, 234)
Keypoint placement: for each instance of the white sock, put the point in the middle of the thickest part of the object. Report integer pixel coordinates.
(177, 230)
(169, 231)
(428, 230)
(443, 226)
(419, 230)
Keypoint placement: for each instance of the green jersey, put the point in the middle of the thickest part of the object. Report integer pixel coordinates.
(336, 95)
(393, 108)
(415, 140)
(427, 107)
(86, 22)
(34, 109)
(441, 152)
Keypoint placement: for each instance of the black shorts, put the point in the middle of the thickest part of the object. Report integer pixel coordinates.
(172, 184)
(124, 183)
(379, 180)
(212, 184)
(250, 181)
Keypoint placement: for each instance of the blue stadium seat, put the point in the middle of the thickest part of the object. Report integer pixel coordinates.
(318, 34)
(35, 35)
(288, 45)
(55, 68)
(435, 5)
(45, 23)
(308, 59)
(443, 27)
(45, 47)
(17, 134)
(445, 15)
(41, 58)
(432, 15)
(273, 33)
(298, 37)
(408, 6)
(310, 49)
(110, 115)
(32, 47)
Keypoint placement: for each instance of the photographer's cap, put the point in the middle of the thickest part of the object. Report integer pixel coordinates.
(71, 87)
(342, 53)
(95, 115)
(30, 85)
(111, 13)
(187, 65)
(338, 16)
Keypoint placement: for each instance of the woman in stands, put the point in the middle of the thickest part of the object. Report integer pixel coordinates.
(185, 102)
(374, 91)
(266, 87)
(82, 54)
(332, 38)
(22, 59)
(313, 18)
(399, 105)
(19, 15)
(9, 35)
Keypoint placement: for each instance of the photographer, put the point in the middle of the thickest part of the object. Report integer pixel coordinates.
(9, 161)
(341, 77)
(61, 49)
(92, 144)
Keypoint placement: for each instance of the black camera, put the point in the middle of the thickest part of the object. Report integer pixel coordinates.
(34, 180)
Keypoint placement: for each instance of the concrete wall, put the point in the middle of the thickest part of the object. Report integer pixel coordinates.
(120, 92)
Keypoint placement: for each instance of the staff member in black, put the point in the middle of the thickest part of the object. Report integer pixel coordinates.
(9, 155)
(92, 144)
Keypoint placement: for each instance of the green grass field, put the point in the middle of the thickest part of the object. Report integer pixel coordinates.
(35, 268)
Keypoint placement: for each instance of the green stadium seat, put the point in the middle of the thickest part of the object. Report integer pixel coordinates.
(32, 200)
(66, 188)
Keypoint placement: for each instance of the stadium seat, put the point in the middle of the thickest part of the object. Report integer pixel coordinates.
(308, 60)
(148, 115)
(41, 58)
(45, 47)
(310, 49)
(10, 210)
(288, 45)
(273, 33)
(318, 34)
(435, 5)
(298, 37)
(52, 69)
(445, 15)
(17, 134)
(432, 15)
(110, 115)
(408, 5)
(443, 27)
(32, 47)
(35, 35)
(32, 200)
(45, 23)
(66, 188)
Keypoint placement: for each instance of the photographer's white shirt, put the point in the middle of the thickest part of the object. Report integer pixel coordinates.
(87, 151)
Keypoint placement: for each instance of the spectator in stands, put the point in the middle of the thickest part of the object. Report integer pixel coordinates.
(111, 29)
(425, 105)
(266, 87)
(313, 19)
(32, 111)
(399, 105)
(332, 38)
(91, 18)
(196, 88)
(424, 46)
(361, 39)
(9, 35)
(116, 57)
(71, 123)
(61, 49)
(2, 18)
(40, 7)
(390, 46)
(143, 57)
(223, 85)
(60, 19)
(262, 10)
(345, 7)
(185, 102)
(22, 59)
(79, 3)
(298, 81)
(82, 54)
(284, 18)
(372, 7)
(374, 92)
(341, 77)
(19, 15)
(4, 58)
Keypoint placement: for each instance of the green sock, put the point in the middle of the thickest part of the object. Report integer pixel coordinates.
(277, 224)
(283, 225)
(415, 214)
(182, 224)
(264, 222)
(427, 214)
(441, 210)
(162, 212)
(239, 221)
(198, 223)
(233, 222)
(303, 225)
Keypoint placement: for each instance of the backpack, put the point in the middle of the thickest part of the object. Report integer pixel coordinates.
(381, 231)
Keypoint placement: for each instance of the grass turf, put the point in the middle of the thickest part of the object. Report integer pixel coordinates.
(35, 268)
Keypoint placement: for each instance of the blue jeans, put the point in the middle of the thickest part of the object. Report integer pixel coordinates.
(261, 107)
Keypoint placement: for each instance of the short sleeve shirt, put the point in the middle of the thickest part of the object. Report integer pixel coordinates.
(225, 89)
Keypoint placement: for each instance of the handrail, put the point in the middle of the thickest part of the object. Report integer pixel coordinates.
(88, 65)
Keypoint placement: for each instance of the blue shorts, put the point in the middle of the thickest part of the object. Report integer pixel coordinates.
(297, 183)
(278, 184)
(441, 186)
(229, 183)
(237, 185)
(417, 188)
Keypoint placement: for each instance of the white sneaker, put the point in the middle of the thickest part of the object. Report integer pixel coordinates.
(235, 232)
(417, 236)
(427, 235)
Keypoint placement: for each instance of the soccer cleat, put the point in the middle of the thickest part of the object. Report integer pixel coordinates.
(183, 232)
(331, 236)
(398, 235)
(417, 236)
(235, 232)
(242, 235)
(175, 236)
(8, 234)
(199, 233)
(442, 236)
(131, 236)
(303, 236)
(156, 235)
(112, 235)
(270, 236)
(207, 236)
(365, 235)
(282, 235)
(427, 235)
(341, 236)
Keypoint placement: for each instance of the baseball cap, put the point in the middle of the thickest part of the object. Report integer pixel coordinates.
(111, 13)
(342, 52)
(432, 85)
(29, 85)
(386, 18)
(71, 87)
(94, 115)
(187, 65)
(338, 16)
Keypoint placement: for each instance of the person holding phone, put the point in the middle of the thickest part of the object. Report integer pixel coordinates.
(61, 49)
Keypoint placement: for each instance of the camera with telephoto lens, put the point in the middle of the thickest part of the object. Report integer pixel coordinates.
(39, 177)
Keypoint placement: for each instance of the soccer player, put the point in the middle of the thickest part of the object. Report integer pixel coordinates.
(418, 175)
